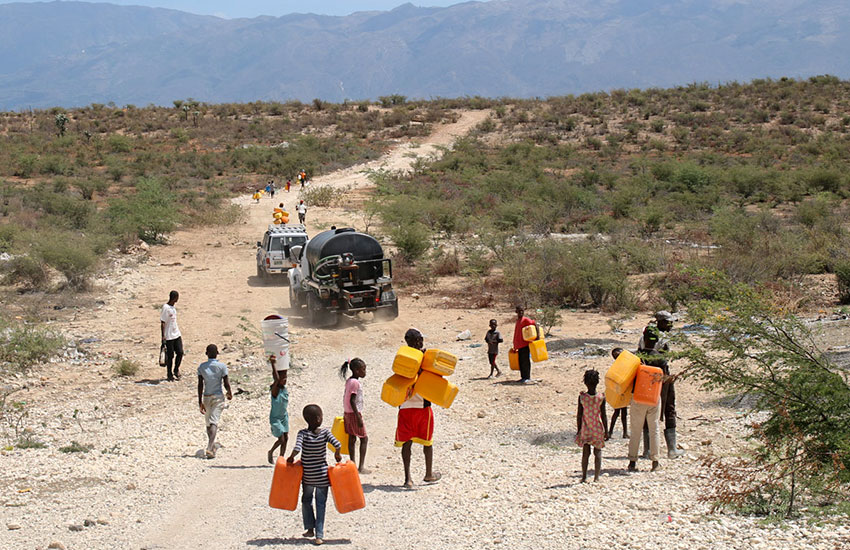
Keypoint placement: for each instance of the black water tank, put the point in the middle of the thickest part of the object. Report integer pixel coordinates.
(339, 241)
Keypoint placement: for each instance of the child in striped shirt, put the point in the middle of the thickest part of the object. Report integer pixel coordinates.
(312, 443)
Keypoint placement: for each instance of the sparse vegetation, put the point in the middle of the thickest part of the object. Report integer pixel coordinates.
(75, 447)
(23, 345)
(125, 367)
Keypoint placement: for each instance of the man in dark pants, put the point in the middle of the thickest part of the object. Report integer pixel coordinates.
(653, 346)
(521, 346)
(171, 337)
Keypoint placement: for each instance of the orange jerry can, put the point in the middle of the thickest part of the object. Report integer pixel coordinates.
(621, 376)
(648, 385)
(436, 389)
(286, 483)
(616, 399)
(397, 389)
(338, 431)
(513, 359)
(407, 361)
(538, 350)
(346, 487)
(439, 362)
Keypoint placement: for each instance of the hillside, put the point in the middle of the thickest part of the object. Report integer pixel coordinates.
(75, 53)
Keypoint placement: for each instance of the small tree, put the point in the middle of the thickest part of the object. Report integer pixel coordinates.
(801, 400)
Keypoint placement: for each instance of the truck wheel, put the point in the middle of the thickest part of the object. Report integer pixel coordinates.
(388, 313)
(314, 310)
(294, 299)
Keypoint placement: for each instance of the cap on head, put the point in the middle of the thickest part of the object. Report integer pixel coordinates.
(212, 351)
(664, 316)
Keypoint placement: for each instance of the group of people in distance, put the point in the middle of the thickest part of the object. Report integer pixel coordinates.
(270, 186)
(415, 417)
(592, 429)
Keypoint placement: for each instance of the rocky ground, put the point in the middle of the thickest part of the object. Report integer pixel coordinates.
(510, 468)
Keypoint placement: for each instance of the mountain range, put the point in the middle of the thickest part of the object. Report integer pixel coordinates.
(76, 53)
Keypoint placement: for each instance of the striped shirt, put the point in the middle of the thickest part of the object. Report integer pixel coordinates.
(313, 447)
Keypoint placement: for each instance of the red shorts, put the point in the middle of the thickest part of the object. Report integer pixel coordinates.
(415, 425)
(351, 428)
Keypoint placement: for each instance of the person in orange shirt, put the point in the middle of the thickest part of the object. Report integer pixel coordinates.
(521, 346)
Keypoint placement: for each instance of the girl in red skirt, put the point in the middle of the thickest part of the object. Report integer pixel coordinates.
(352, 406)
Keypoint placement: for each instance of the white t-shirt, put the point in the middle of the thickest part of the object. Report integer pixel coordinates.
(415, 401)
(302, 208)
(169, 317)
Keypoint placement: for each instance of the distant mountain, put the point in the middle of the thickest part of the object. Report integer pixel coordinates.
(70, 53)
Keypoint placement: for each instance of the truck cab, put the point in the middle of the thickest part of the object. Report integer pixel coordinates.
(274, 252)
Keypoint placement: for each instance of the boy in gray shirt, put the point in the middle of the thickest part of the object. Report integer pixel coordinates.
(493, 339)
(211, 375)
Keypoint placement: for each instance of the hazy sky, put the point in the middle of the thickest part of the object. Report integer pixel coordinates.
(253, 8)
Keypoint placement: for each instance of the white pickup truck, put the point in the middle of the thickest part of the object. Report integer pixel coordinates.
(273, 252)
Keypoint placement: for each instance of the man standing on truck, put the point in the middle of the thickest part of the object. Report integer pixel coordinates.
(171, 337)
(302, 212)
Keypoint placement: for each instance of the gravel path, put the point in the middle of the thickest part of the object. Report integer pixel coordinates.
(510, 469)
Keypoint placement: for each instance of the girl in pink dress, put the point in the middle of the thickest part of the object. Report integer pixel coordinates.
(592, 424)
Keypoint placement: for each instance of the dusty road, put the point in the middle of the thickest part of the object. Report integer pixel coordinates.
(505, 451)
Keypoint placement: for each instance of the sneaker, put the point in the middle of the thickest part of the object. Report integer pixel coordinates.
(318, 541)
(529, 381)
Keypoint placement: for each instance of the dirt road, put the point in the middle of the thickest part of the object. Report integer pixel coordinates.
(505, 451)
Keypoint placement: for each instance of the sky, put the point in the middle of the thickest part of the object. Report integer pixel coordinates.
(253, 8)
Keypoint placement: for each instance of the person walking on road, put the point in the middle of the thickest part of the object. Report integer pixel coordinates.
(302, 212)
(212, 375)
(171, 337)
(521, 346)
(415, 424)
(653, 348)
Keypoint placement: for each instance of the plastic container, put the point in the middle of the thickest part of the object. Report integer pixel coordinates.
(538, 350)
(407, 361)
(439, 362)
(529, 333)
(621, 375)
(277, 222)
(615, 399)
(286, 482)
(276, 340)
(648, 385)
(338, 431)
(513, 359)
(345, 487)
(436, 389)
(396, 390)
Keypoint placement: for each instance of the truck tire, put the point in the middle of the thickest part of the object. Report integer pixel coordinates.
(388, 313)
(317, 314)
(295, 300)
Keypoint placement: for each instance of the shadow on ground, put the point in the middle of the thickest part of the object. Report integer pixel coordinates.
(277, 541)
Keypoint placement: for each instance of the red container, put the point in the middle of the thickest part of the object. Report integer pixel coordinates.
(648, 385)
(346, 487)
(286, 483)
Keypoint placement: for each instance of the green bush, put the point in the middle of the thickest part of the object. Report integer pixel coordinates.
(72, 256)
(125, 367)
(23, 345)
(842, 276)
(149, 214)
(75, 447)
(26, 271)
(27, 441)
(411, 239)
(324, 196)
(801, 402)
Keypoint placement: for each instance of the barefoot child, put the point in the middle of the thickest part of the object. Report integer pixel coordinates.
(279, 414)
(622, 412)
(592, 424)
(352, 406)
(493, 339)
(312, 443)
